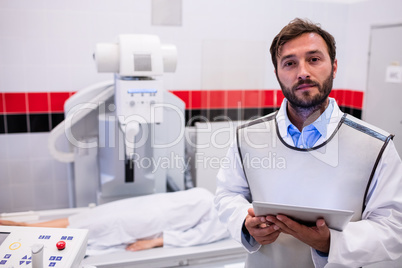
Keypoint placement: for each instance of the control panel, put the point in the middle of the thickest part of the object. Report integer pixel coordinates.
(41, 247)
(139, 97)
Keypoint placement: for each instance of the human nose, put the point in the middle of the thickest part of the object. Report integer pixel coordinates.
(303, 71)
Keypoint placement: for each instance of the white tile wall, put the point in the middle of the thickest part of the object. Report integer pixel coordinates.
(167, 12)
(29, 178)
(234, 64)
(47, 45)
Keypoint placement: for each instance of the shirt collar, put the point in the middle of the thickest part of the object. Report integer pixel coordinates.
(321, 124)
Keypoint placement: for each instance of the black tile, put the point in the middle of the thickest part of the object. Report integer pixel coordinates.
(217, 115)
(56, 118)
(39, 123)
(251, 113)
(187, 115)
(355, 112)
(197, 116)
(2, 124)
(266, 111)
(235, 114)
(17, 123)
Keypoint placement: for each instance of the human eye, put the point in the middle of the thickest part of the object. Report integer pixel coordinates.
(288, 64)
(314, 59)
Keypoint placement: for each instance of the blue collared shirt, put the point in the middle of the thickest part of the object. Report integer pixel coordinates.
(310, 133)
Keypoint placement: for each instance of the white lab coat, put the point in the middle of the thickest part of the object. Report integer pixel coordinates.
(183, 218)
(377, 237)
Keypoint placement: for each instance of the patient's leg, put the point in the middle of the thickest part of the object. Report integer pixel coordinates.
(58, 223)
(12, 223)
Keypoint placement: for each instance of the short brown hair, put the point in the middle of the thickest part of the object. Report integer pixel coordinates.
(296, 28)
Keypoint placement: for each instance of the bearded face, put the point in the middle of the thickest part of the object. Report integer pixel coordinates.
(306, 99)
(305, 71)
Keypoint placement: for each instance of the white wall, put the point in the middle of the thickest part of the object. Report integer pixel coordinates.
(361, 17)
(47, 45)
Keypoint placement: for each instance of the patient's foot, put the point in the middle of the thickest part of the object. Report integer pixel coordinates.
(12, 223)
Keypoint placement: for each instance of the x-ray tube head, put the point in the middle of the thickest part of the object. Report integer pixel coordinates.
(107, 57)
(169, 53)
(136, 55)
(138, 63)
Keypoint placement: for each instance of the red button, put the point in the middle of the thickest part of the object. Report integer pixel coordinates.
(61, 245)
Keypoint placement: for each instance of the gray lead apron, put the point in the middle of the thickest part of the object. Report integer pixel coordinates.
(333, 175)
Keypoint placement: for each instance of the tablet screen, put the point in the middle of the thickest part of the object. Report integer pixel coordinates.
(335, 219)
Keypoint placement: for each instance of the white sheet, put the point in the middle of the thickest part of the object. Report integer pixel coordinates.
(184, 218)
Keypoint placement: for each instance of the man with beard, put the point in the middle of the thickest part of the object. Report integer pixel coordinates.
(332, 160)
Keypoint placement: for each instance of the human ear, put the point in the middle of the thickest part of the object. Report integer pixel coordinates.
(335, 68)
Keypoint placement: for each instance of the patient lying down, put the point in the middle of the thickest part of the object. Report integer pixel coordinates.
(177, 219)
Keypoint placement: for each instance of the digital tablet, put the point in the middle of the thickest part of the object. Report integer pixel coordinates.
(335, 219)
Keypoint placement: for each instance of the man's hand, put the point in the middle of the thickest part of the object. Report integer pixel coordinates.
(317, 237)
(263, 231)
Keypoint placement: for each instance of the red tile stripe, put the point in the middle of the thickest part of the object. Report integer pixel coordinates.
(33, 102)
(269, 98)
(53, 102)
(38, 102)
(2, 101)
(15, 103)
(348, 98)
